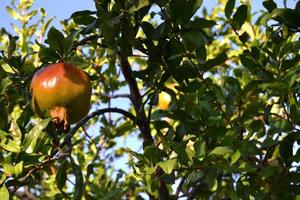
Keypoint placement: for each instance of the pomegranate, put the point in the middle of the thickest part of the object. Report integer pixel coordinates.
(64, 91)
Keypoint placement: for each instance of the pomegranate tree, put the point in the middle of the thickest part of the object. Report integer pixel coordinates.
(64, 91)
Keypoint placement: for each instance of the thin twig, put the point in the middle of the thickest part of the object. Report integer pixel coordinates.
(136, 99)
(87, 135)
(90, 116)
(115, 96)
(38, 167)
(179, 188)
(86, 41)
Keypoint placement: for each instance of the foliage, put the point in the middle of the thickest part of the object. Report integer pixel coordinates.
(230, 130)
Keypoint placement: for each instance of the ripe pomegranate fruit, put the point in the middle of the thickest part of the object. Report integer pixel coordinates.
(62, 89)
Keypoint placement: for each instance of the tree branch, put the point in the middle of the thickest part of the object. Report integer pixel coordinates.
(117, 96)
(93, 114)
(136, 99)
(37, 167)
(179, 188)
(86, 41)
(142, 120)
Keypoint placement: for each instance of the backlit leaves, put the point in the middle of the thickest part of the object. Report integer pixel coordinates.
(228, 130)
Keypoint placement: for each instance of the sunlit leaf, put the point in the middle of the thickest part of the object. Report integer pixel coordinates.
(9, 145)
(4, 193)
(221, 151)
(31, 138)
(168, 165)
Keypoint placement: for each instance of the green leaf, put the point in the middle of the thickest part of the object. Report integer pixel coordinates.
(211, 178)
(159, 31)
(286, 150)
(235, 157)
(9, 145)
(9, 169)
(218, 60)
(213, 184)
(201, 23)
(69, 42)
(48, 55)
(15, 131)
(168, 165)
(4, 84)
(2, 178)
(4, 194)
(26, 4)
(138, 5)
(148, 29)
(46, 25)
(247, 167)
(61, 175)
(30, 15)
(200, 148)
(244, 37)
(19, 168)
(83, 17)
(152, 154)
(182, 11)
(240, 16)
(287, 16)
(3, 116)
(193, 40)
(185, 71)
(14, 14)
(201, 54)
(31, 139)
(270, 5)
(229, 8)
(221, 150)
(249, 63)
(12, 45)
(56, 40)
(79, 186)
(110, 27)
(158, 114)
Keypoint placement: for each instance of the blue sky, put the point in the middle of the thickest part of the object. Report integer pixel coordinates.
(62, 9)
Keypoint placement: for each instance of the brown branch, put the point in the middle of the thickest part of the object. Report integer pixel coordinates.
(115, 96)
(37, 167)
(136, 99)
(22, 195)
(90, 116)
(196, 190)
(179, 188)
(86, 41)
(142, 120)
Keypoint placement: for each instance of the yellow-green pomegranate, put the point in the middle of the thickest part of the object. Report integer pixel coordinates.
(64, 91)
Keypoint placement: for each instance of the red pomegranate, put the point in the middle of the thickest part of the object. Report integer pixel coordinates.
(64, 91)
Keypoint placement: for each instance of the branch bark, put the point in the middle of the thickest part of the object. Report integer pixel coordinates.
(142, 121)
(136, 99)
(93, 114)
